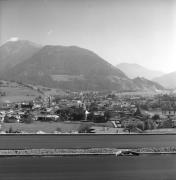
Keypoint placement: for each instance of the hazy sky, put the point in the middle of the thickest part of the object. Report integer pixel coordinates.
(134, 31)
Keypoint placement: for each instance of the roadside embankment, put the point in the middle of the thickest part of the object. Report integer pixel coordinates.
(91, 151)
(57, 152)
(154, 150)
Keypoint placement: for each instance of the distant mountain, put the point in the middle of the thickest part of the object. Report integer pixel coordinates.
(135, 70)
(145, 84)
(167, 80)
(15, 52)
(72, 68)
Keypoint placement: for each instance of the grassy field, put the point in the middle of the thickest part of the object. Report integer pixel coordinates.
(41, 126)
(17, 92)
(162, 131)
(13, 99)
(50, 127)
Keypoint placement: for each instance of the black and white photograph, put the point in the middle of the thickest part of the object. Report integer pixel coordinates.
(87, 89)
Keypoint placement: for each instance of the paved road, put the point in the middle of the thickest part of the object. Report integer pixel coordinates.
(94, 168)
(85, 141)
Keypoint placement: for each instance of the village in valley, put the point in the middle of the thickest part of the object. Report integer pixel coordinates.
(87, 90)
(88, 112)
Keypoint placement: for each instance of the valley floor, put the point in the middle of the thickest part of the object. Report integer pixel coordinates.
(56, 127)
(73, 127)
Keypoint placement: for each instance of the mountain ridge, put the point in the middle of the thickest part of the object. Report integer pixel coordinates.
(15, 52)
(73, 68)
(133, 70)
(168, 80)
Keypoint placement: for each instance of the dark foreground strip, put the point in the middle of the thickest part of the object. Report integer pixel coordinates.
(83, 141)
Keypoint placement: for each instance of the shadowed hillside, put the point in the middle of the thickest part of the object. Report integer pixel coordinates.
(72, 68)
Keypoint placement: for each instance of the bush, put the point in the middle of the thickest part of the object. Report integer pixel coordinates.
(150, 124)
(12, 131)
(28, 119)
(140, 125)
(166, 124)
(10, 119)
(155, 117)
(85, 128)
(133, 125)
(58, 129)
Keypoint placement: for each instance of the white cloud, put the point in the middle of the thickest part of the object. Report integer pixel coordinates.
(13, 39)
(50, 32)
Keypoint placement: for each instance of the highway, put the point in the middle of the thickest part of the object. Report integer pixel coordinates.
(16, 141)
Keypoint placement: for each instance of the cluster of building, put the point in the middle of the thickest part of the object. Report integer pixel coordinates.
(124, 111)
(51, 108)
